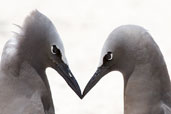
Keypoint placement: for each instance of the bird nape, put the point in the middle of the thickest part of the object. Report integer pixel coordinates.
(131, 50)
(24, 84)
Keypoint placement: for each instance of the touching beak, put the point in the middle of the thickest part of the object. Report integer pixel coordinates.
(66, 73)
(101, 71)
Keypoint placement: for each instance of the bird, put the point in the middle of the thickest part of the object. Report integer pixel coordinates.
(24, 86)
(131, 50)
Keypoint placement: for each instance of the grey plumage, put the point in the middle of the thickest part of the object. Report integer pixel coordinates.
(131, 50)
(24, 87)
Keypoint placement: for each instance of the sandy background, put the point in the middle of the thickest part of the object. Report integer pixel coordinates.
(84, 26)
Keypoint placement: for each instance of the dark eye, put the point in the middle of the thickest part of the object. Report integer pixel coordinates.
(108, 56)
(55, 50)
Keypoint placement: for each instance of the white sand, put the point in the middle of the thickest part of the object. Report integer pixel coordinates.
(84, 26)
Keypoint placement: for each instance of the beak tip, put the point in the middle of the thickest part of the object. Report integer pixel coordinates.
(80, 95)
(78, 92)
(84, 93)
(66, 73)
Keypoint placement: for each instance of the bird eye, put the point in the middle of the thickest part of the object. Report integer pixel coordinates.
(108, 56)
(54, 49)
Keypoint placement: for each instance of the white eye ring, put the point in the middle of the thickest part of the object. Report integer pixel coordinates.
(53, 49)
(111, 56)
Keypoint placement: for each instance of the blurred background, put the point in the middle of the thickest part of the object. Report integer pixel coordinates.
(83, 26)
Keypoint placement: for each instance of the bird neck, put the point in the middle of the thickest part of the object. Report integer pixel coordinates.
(146, 86)
(32, 72)
(12, 62)
(46, 95)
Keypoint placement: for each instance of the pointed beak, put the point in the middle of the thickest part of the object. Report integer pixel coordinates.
(101, 71)
(66, 73)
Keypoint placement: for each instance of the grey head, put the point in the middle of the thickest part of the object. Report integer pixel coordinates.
(126, 47)
(40, 45)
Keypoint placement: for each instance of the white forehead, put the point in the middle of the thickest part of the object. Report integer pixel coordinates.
(126, 35)
(56, 40)
(45, 25)
(107, 47)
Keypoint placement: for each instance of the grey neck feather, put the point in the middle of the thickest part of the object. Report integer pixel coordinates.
(147, 86)
(12, 65)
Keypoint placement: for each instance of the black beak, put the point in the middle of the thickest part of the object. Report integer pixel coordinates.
(66, 73)
(101, 71)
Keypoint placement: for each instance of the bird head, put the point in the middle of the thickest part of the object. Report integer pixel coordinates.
(41, 46)
(125, 47)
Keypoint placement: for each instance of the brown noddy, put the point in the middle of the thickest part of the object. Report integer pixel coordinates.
(131, 50)
(24, 87)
